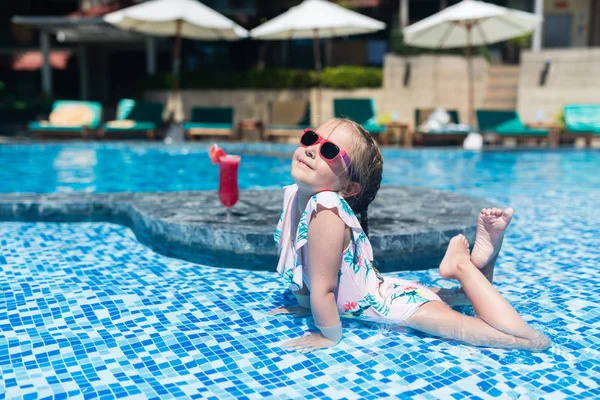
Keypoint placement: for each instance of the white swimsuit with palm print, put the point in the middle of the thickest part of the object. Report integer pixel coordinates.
(361, 291)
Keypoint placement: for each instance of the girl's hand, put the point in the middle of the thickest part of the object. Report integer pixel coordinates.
(308, 342)
(296, 311)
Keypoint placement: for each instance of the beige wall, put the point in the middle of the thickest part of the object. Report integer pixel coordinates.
(574, 77)
(246, 103)
(435, 81)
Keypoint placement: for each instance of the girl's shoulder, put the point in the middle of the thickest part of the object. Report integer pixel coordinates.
(335, 202)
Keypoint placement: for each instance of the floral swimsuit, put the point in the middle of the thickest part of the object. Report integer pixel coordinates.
(361, 291)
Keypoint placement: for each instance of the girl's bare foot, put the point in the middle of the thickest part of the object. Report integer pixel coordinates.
(457, 254)
(491, 224)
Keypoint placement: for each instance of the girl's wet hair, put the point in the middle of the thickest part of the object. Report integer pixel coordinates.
(367, 166)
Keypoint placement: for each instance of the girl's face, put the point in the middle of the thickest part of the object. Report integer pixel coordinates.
(311, 173)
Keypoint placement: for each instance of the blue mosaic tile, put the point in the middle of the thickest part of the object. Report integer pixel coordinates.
(87, 311)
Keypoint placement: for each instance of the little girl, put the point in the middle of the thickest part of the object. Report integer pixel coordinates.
(327, 259)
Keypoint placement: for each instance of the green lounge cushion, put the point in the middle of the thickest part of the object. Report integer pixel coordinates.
(505, 123)
(489, 120)
(37, 126)
(137, 126)
(582, 118)
(515, 127)
(361, 111)
(200, 125)
(147, 111)
(94, 107)
(448, 130)
(213, 115)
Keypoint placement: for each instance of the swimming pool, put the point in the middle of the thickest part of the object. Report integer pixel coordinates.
(86, 310)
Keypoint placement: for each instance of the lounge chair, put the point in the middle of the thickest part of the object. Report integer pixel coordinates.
(361, 111)
(452, 134)
(70, 118)
(210, 121)
(288, 119)
(134, 119)
(507, 124)
(582, 121)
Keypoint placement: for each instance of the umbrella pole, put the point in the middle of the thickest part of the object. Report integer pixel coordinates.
(175, 110)
(317, 55)
(470, 73)
(177, 55)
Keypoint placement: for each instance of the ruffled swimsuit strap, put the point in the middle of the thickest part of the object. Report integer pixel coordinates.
(282, 233)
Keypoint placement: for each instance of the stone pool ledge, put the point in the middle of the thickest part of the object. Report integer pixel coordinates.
(409, 227)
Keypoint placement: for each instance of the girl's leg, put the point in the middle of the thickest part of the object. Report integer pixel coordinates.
(495, 312)
(491, 224)
(438, 319)
(456, 296)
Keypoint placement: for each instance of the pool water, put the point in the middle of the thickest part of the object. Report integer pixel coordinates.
(121, 167)
(85, 310)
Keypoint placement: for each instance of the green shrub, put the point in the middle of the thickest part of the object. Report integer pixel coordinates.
(522, 41)
(351, 77)
(559, 117)
(273, 78)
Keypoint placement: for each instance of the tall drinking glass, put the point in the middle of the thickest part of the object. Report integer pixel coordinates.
(228, 182)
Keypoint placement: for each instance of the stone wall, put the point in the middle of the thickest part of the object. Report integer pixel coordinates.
(435, 81)
(574, 77)
(247, 103)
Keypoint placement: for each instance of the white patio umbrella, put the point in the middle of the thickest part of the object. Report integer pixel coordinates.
(180, 18)
(316, 19)
(467, 24)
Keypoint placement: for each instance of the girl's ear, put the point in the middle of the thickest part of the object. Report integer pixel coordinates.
(354, 189)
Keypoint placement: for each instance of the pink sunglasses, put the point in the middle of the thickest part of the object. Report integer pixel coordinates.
(328, 151)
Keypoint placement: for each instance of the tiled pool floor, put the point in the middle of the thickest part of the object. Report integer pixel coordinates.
(85, 310)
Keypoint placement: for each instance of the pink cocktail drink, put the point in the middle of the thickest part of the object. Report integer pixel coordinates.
(228, 180)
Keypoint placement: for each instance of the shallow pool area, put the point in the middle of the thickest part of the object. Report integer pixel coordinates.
(86, 310)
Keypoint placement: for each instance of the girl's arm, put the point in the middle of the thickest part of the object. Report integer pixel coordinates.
(325, 248)
(303, 297)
